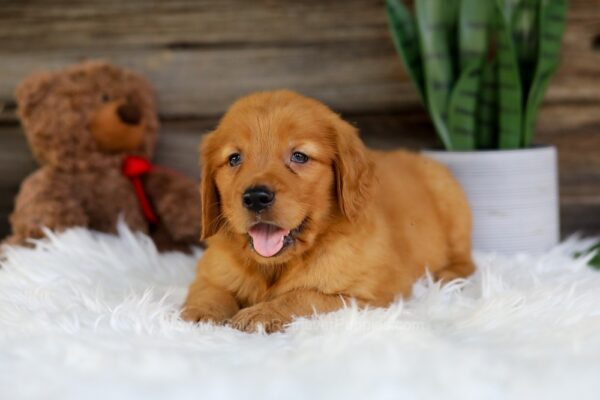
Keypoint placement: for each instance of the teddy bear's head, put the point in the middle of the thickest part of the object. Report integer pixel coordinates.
(89, 114)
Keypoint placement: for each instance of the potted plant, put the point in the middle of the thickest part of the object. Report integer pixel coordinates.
(481, 68)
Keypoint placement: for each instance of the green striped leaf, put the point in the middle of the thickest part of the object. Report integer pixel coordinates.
(473, 30)
(436, 21)
(463, 107)
(510, 96)
(509, 7)
(552, 14)
(487, 107)
(406, 40)
(524, 26)
(595, 260)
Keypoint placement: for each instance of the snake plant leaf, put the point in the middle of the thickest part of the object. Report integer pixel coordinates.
(510, 97)
(436, 22)
(473, 30)
(524, 22)
(487, 107)
(552, 15)
(463, 107)
(595, 260)
(406, 40)
(509, 7)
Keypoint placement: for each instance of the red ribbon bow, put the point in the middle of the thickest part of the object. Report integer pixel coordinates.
(134, 167)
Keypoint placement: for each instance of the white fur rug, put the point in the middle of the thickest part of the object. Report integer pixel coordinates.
(93, 316)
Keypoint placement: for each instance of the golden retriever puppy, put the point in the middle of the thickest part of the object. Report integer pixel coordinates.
(299, 216)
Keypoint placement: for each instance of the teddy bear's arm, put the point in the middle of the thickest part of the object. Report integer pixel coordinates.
(45, 199)
(177, 202)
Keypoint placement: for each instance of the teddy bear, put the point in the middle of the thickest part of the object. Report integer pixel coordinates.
(93, 127)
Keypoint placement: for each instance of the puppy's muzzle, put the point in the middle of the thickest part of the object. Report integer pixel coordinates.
(258, 198)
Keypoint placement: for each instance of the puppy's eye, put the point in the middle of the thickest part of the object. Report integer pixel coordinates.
(299, 158)
(235, 159)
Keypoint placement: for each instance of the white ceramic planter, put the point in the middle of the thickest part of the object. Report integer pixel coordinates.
(513, 196)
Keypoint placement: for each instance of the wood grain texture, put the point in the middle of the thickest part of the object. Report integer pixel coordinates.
(202, 54)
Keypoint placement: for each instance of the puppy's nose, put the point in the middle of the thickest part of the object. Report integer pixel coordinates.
(129, 113)
(258, 198)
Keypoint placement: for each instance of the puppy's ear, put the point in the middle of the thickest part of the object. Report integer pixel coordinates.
(353, 170)
(209, 195)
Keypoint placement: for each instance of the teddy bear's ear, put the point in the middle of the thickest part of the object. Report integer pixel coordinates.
(32, 91)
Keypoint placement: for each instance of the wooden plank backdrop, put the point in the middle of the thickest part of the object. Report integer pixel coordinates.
(202, 54)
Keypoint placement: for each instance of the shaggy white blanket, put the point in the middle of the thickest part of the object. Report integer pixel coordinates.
(94, 316)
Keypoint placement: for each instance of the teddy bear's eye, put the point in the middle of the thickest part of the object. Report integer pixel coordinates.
(105, 98)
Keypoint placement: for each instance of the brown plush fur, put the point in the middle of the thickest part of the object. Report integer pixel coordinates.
(369, 223)
(80, 124)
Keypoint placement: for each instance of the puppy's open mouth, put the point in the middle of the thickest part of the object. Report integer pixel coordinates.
(269, 240)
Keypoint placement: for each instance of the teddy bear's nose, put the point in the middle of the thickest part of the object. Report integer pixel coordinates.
(129, 113)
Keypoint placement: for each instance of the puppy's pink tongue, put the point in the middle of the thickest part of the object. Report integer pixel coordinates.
(267, 239)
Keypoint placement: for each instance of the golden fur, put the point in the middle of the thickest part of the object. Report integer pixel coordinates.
(369, 222)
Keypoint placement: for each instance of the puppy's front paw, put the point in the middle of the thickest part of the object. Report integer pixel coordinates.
(249, 319)
(198, 314)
